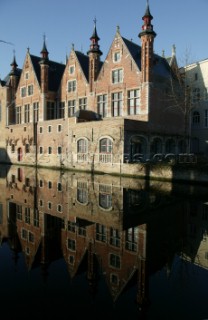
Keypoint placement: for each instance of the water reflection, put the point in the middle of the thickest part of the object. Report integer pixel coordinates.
(102, 246)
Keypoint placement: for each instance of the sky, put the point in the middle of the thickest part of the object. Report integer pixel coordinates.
(24, 23)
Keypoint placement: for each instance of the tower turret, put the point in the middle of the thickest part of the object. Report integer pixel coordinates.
(44, 65)
(147, 36)
(94, 57)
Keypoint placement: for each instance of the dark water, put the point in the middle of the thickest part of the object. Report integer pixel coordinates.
(75, 246)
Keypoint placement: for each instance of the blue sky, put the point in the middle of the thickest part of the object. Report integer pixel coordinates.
(24, 22)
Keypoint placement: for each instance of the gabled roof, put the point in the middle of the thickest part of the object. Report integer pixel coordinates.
(161, 67)
(55, 70)
(135, 51)
(84, 63)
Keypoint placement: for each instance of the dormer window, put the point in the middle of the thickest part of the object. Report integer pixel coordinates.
(117, 56)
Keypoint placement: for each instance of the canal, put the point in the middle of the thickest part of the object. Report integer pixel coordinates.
(76, 245)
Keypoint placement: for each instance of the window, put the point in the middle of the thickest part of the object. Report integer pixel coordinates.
(117, 103)
(72, 86)
(41, 183)
(26, 75)
(71, 108)
(59, 186)
(105, 196)
(71, 226)
(71, 244)
(24, 234)
(82, 150)
(59, 127)
(23, 92)
(105, 150)
(115, 261)
(19, 212)
(82, 192)
(18, 115)
(82, 103)
(41, 129)
(196, 118)
(27, 113)
(195, 76)
(61, 110)
(71, 69)
(50, 110)
(114, 279)
(59, 208)
(101, 232)
(35, 111)
(49, 205)
(49, 150)
(132, 239)
(49, 129)
(31, 237)
(49, 185)
(133, 102)
(41, 150)
(102, 105)
(117, 56)
(30, 90)
(59, 150)
(115, 238)
(27, 215)
(117, 76)
(27, 148)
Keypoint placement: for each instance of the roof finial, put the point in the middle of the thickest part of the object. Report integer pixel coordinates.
(118, 29)
(173, 50)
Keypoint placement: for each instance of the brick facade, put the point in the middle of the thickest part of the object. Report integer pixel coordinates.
(90, 114)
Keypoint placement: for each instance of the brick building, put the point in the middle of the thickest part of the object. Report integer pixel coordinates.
(90, 114)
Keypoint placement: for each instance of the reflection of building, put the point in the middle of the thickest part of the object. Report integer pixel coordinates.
(88, 114)
(103, 225)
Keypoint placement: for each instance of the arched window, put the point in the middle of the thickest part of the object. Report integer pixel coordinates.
(105, 196)
(170, 146)
(105, 150)
(82, 150)
(156, 146)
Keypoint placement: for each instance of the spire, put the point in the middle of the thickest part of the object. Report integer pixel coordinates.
(147, 26)
(44, 51)
(173, 50)
(14, 65)
(94, 47)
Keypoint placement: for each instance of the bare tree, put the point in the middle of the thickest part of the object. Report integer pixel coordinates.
(182, 94)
